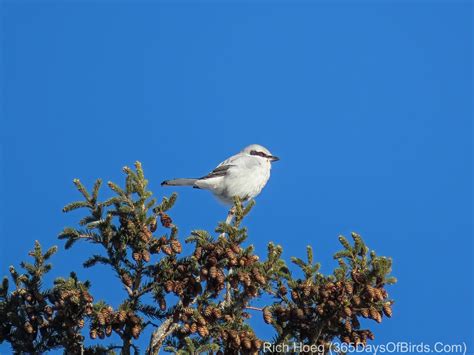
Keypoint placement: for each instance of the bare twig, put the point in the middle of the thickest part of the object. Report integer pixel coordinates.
(160, 334)
(254, 308)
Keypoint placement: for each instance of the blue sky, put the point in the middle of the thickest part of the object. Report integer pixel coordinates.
(368, 105)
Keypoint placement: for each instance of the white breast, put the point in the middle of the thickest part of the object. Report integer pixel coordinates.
(246, 179)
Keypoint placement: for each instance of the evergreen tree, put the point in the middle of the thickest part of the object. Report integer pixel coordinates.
(214, 289)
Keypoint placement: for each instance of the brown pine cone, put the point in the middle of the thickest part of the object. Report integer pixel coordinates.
(137, 256)
(121, 316)
(356, 299)
(387, 309)
(348, 325)
(198, 253)
(217, 313)
(28, 328)
(203, 331)
(145, 255)
(347, 311)
(246, 343)
(167, 249)
(365, 312)
(169, 286)
(282, 290)
(378, 294)
(294, 295)
(193, 328)
(375, 315)
(101, 318)
(48, 310)
(166, 220)
(136, 329)
(162, 304)
(236, 248)
(213, 272)
(208, 311)
(220, 277)
(256, 344)
(370, 291)
(93, 333)
(153, 225)
(267, 315)
(176, 246)
(349, 288)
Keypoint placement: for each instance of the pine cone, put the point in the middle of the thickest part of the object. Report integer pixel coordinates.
(387, 309)
(203, 331)
(145, 255)
(176, 246)
(48, 310)
(121, 316)
(167, 249)
(208, 312)
(236, 248)
(153, 225)
(101, 318)
(356, 299)
(220, 277)
(136, 329)
(217, 313)
(320, 309)
(169, 286)
(256, 344)
(145, 235)
(267, 315)
(28, 328)
(365, 312)
(370, 291)
(349, 288)
(375, 315)
(93, 333)
(193, 328)
(137, 256)
(294, 295)
(166, 220)
(246, 343)
(203, 273)
(80, 323)
(162, 304)
(348, 326)
(108, 330)
(378, 294)
(198, 253)
(213, 272)
(299, 313)
(201, 321)
(347, 311)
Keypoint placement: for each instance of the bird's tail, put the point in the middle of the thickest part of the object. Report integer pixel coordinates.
(179, 182)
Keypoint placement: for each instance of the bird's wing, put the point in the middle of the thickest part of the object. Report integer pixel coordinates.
(223, 167)
(238, 160)
(221, 170)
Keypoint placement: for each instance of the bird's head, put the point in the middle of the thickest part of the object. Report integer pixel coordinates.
(259, 151)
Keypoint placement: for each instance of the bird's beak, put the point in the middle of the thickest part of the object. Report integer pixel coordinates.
(274, 158)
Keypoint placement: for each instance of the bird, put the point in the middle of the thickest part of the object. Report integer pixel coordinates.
(243, 175)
